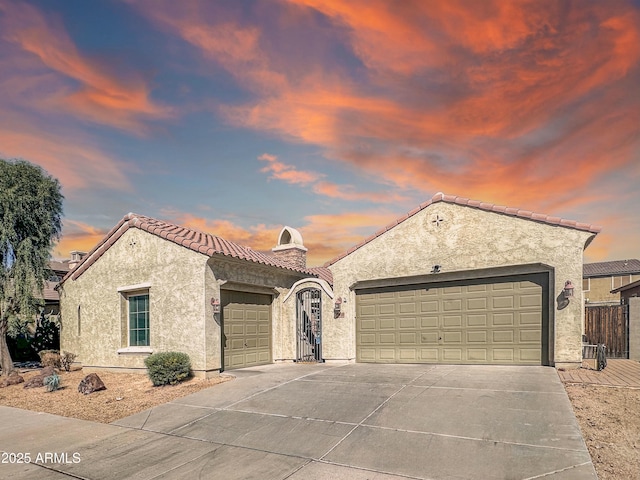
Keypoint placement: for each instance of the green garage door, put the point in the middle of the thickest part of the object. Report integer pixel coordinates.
(246, 318)
(481, 322)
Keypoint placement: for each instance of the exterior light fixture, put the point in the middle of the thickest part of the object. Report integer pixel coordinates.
(337, 307)
(436, 269)
(215, 303)
(568, 289)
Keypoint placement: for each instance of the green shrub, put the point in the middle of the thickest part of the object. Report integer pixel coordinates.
(52, 382)
(168, 367)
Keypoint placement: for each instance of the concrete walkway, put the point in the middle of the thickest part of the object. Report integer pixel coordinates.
(356, 421)
(618, 373)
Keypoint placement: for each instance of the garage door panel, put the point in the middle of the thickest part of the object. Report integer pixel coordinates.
(479, 336)
(503, 302)
(476, 304)
(502, 336)
(477, 320)
(408, 354)
(477, 354)
(387, 339)
(529, 336)
(530, 318)
(530, 355)
(452, 306)
(408, 323)
(502, 319)
(387, 323)
(452, 337)
(451, 321)
(368, 309)
(452, 354)
(409, 338)
(483, 322)
(503, 355)
(429, 338)
(429, 307)
(429, 322)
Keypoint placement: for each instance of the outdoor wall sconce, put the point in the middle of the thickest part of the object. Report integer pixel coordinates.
(337, 307)
(215, 303)
(436, 268)
(568, 289)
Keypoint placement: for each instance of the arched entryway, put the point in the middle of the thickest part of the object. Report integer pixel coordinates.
(309, 325)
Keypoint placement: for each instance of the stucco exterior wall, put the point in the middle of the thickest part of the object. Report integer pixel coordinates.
(461, 238)
(176, 278)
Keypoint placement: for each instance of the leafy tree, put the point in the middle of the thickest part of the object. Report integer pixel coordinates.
(30, 224)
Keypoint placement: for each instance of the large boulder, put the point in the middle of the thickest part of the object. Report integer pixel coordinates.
(91, 383)
(12, 379)
(38, 380)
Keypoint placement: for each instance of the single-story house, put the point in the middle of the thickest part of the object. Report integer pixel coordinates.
(454, 281)
(601, 281)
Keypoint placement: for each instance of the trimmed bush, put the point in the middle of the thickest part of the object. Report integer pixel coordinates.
(168, 368)
(50, 358)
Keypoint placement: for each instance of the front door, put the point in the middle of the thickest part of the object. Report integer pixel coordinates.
(309, 325)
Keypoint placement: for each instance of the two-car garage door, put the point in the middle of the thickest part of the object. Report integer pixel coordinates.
(490, 321)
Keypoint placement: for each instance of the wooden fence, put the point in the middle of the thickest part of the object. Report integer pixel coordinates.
(608, 324)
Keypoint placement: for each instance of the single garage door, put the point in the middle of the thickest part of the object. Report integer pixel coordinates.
(495, 321)
(246, 319)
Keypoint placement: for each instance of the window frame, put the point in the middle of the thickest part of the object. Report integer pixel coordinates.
(146, 312)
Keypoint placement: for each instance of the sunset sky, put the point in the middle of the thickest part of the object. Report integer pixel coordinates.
(333, 117)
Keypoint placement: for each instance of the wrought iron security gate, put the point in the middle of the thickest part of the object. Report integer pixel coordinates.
(309, 325)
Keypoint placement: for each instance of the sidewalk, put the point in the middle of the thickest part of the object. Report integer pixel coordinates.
(618, 373)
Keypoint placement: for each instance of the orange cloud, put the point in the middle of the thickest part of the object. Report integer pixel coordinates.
(77, 236)
(286, 173)
(66, 155)
(101, 96)
(325, 236)
(291, 175)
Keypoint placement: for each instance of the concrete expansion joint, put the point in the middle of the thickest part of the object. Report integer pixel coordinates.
(473, 439)
(578, 465)
(362, 421)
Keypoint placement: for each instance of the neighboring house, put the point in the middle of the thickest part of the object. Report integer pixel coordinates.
(453, 281)
(58, 269)
(601, 281)
(628, 291)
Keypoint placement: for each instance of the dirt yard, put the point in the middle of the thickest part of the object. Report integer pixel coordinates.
(609, 418)
(125, 395)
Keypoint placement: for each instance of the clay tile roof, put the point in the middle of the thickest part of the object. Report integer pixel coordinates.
(490, 207)
(324, 273)
(615, 267)
(204, 243)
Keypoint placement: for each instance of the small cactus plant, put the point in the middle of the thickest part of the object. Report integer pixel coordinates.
(52, 382)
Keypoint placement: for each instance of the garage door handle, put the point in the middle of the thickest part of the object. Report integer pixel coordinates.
(245, 345)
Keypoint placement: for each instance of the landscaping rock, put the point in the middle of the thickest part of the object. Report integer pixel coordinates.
(91, 383)
(12, 379)
(38, 380)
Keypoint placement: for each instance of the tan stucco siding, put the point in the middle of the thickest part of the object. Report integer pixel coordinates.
(460, 238)
(178, 308)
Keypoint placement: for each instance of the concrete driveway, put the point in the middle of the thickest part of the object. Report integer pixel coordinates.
(355, 421)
